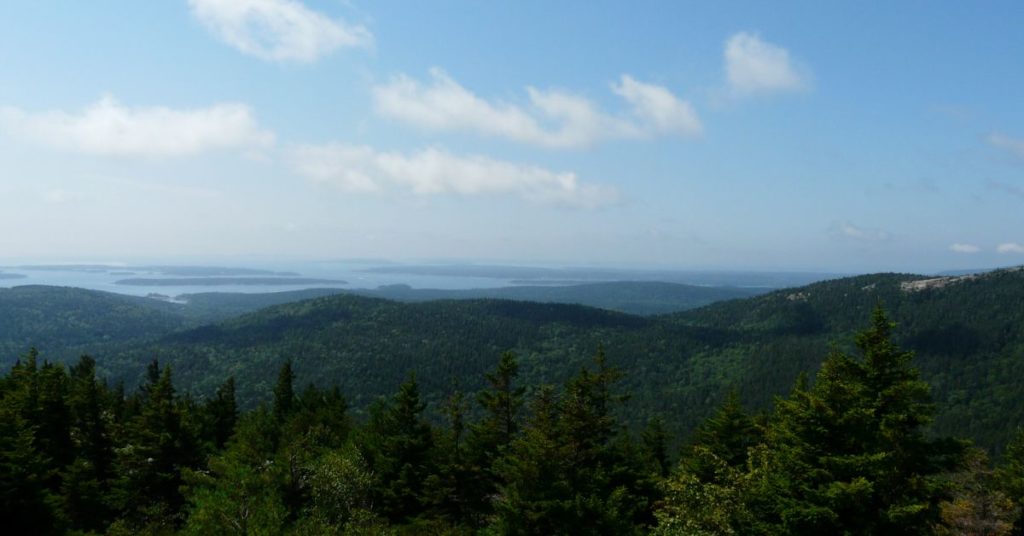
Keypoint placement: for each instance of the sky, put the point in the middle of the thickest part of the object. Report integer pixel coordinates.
(837, 136)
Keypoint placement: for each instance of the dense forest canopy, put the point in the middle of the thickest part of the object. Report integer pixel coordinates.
(682, 365)
(846, 453)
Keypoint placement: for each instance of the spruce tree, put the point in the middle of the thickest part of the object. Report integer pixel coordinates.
(397, 444)
(284, 392)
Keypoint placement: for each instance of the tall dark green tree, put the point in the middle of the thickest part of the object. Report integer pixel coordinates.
(160, 447)
(284, 392)
(1010, 477)
(222, 413)
(397, 444)
(27, 506)
(848, 455)
(87, 481)
(725, 437)
(573, 470)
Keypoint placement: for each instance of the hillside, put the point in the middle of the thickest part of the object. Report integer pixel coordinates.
(634, 297)
(63, 321)
(968, 334)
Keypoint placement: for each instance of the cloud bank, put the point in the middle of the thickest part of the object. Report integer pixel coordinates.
(849, 231)
(964, 248)
(1012, 145)
(553, 119)
(108, 128)
(277, 30)
(1010, 247)
(359, 168)
(754, 66)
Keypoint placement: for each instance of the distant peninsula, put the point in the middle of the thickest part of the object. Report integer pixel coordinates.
(224, 281)
(11, 276)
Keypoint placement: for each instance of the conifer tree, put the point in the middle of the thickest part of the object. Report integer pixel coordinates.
(397, 445)
(222, 412)
(848, 455)
(159, 448)
(1010, 477)
(87, 480)
(284, 393)
(573, 470)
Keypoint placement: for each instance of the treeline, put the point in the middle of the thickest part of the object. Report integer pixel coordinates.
(848, 453)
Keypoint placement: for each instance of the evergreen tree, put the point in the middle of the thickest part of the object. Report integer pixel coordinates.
(847, 455)
(488, 438)
(654, 440)
(87, 480)
(727, 435)
(26, 504)
(452, 488)
(241, 492)
(159, 447)
(397, 444)
(222, 412)
(573, 470)
(284, 393)
(1010, 478)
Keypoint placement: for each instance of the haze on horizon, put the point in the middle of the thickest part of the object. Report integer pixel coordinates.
(740, 135)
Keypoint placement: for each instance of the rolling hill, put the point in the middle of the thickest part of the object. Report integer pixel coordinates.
(967, 331)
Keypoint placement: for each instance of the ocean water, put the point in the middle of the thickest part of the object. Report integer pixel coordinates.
(352, 275)
(363, 275)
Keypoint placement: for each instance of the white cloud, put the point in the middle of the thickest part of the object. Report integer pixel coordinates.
(964, 248)
(553, 118)
(1010, 247)
(1013, 145)
(110, 129)
(359, 168)
(755, 66)
(657, 108)
(279, 30)
(60, 196)
(850, 231)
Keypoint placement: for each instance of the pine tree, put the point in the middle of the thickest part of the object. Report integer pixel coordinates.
(488, 438)
(452, 488)
(160, 447)
(726, 436)
(241, 494)
(284, 393)
(222, 413)
(27, 506)
(397, 444)
(87, 480)
(1010, 477)
(574, 470)
(654, 440)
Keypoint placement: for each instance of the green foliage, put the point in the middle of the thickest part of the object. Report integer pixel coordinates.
(853, 452)
(848, 455)
(1009, 477)
(573, 470)
(397, 447)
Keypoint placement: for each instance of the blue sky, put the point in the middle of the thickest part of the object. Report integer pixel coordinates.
(737, 135)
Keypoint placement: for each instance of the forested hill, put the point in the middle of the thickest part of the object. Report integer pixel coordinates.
(365, 345)
(63, 321)
(968, 334)
(635, 297)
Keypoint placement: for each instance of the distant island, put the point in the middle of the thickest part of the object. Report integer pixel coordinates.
(11, 276)
(223, 281)
(533, 275)
(183, 271)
